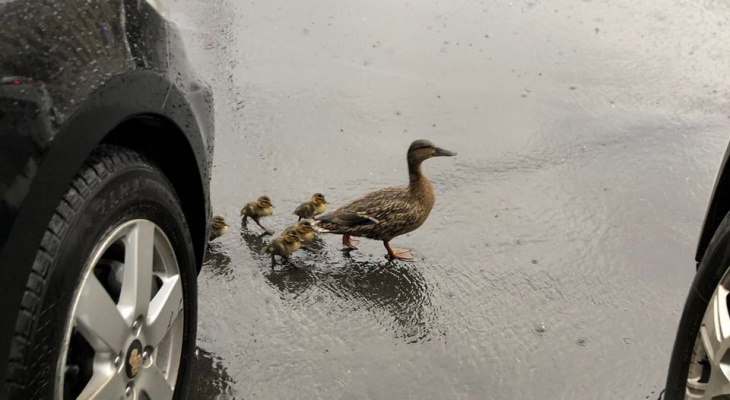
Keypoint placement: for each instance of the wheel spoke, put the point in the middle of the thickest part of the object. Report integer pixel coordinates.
(98, 319)
(137, 281)
(104, 386)
(164, 310)
(153, 383)
(715, 329)
(709, 390)
(696, 390)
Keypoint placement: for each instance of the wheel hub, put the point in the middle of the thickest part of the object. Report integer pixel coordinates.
(133, 359)
(139, 275)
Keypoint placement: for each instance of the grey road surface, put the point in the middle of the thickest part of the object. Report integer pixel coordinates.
(556, 260)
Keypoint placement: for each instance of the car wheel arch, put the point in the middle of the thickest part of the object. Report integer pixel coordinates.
(719, 207)
(140, 95)
(154, 136)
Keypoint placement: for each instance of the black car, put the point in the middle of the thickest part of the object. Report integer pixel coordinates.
(105, 152)
(700, 363)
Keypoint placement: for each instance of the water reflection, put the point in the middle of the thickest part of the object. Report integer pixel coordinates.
(210, 379)
(395, 291)
(217, 259)
(256, 241)
(316, 246)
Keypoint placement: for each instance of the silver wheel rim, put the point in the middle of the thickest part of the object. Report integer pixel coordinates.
(128, 313)
(709, 370)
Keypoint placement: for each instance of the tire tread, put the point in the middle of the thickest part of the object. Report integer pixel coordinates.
(103, 162)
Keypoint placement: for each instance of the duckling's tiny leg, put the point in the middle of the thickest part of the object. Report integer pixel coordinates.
(267, 230)
(244, 221)
(297, 266)
(403, 255)
(349, 243)
(273, 261)
(300, 218)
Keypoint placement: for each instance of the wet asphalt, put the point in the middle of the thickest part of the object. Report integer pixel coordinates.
(556, 260)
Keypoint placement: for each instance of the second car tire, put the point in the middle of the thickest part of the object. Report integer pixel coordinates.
(712, 269)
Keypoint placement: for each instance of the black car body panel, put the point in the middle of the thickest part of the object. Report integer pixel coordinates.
(74, 74)
(718, 207)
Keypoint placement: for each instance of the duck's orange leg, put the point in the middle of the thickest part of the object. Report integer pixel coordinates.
(403, 255)
(349, 243)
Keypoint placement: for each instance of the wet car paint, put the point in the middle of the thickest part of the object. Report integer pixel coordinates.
(70, 74)
(558, 255)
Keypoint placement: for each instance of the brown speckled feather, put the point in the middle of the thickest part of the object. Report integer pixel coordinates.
(305, 210)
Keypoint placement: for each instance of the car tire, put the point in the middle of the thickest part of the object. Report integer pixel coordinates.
(689, 355)
(66, 340)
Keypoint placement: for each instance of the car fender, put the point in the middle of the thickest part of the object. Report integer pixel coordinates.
(139, 92)
(718, 207)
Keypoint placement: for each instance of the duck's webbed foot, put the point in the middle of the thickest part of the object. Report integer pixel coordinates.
(349, 243)
(398, 254)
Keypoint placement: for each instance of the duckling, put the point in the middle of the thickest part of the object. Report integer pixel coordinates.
(304, 230)
(255, 210)
(284, 246)
(315, 206)
(387, 213)
(218, 228)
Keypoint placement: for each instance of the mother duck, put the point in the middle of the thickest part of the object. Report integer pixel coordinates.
(390, 212)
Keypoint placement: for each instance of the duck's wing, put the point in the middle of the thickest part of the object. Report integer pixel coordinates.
(346, 219)
(378, 204)
(245, 209)
(369, 209)
(303, 209)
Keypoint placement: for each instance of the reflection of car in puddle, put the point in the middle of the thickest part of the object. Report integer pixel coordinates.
(397, 296)
(210, 378)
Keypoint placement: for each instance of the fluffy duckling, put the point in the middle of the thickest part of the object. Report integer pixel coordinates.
(256, 210)
(218, 228)
(304, 230)
(387, 213)
(310, 209)
(284, 246)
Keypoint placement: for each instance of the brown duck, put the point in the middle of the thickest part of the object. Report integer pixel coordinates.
(218, 227)
(387, 213)
(284, 246)
(256, 210)
(310, 209)
(304, 230)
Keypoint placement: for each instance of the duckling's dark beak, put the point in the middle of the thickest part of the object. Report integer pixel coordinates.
(443, 153)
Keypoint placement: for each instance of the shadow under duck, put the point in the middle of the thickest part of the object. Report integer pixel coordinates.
(387, 213)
